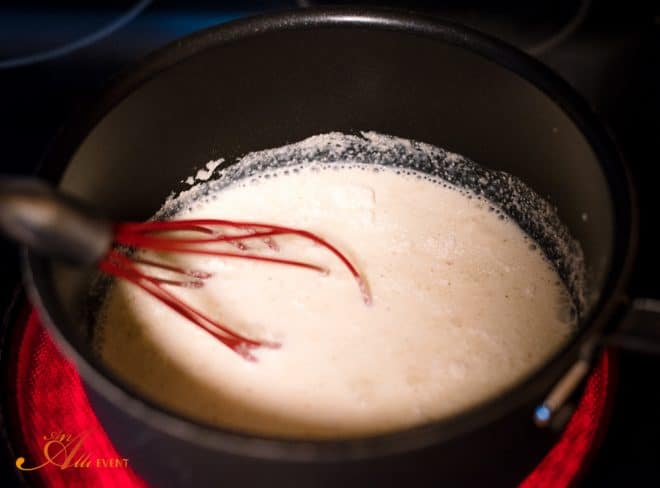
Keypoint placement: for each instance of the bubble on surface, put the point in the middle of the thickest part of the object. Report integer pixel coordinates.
(506, 194)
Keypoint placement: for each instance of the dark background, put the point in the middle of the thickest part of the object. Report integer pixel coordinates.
(608, 51)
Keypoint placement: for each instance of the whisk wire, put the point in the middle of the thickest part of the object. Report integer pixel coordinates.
(157, 236)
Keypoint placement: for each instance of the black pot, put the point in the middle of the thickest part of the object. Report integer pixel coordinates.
(267, 81)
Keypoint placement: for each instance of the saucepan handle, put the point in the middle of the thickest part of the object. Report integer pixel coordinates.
(640, 327)
(49, 223)
(639, 330)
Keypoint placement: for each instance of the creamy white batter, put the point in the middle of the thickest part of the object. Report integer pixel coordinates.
(463, 307)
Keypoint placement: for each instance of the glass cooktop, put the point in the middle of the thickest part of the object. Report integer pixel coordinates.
(609, 52)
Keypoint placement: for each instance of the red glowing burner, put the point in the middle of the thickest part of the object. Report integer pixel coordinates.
(51, 402)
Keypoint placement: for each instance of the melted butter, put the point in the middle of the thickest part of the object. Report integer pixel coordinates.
(463, 307)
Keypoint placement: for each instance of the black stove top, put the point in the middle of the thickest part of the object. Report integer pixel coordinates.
(609, 52)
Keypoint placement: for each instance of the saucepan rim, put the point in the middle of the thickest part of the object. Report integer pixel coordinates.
(38, 272)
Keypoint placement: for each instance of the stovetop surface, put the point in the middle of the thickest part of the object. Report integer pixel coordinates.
(608, 51)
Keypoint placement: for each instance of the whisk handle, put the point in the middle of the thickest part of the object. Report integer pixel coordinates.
(52, 224)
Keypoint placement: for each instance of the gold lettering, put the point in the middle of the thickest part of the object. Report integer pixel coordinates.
(59, 451)
(83, 461)
(20, 461)
(66, 451)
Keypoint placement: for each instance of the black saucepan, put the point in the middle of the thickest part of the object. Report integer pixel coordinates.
(267, 81)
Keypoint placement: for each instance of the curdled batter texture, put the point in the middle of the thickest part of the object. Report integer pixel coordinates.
(464, 305)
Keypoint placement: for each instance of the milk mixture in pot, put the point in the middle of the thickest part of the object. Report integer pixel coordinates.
(464, 305)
